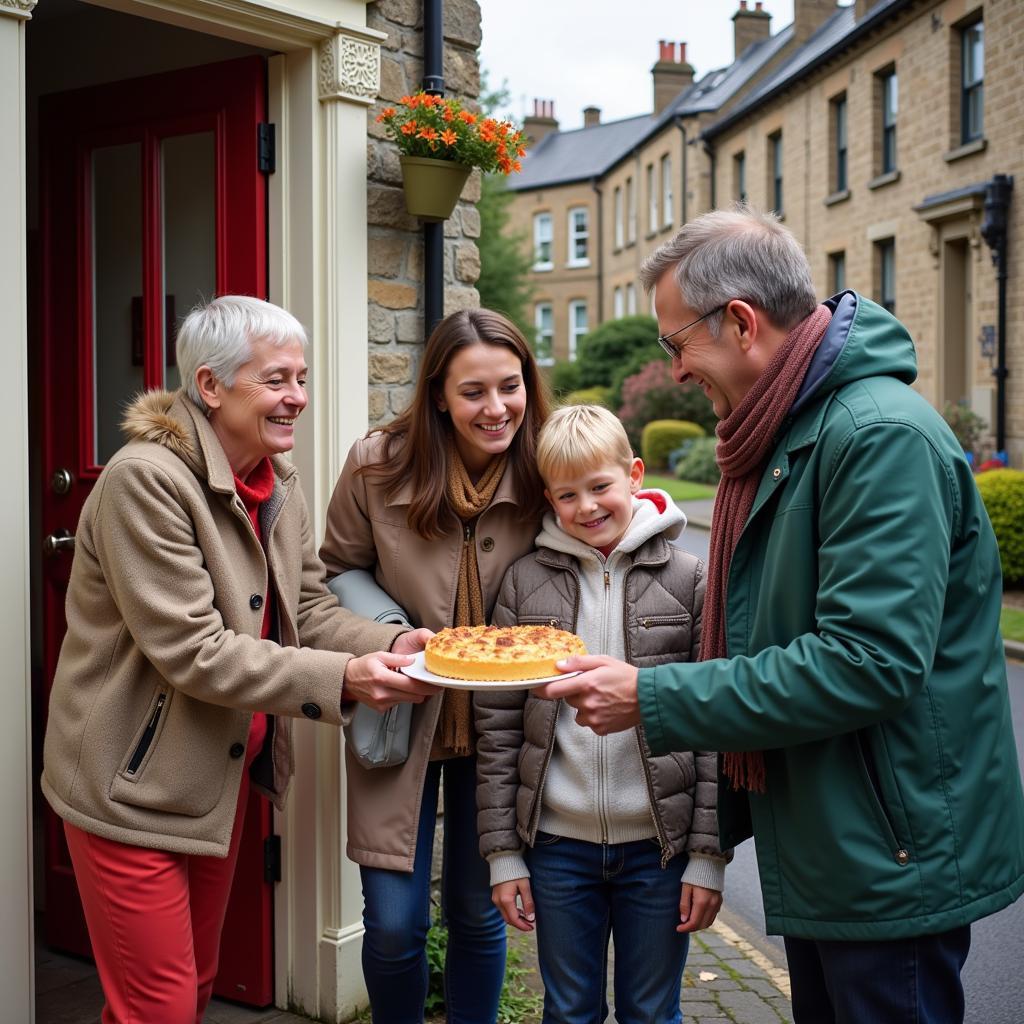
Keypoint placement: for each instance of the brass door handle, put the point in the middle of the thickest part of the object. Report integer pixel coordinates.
(59, 540)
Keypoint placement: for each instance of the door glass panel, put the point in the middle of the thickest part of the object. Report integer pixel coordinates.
(188, 169)
(118, 350)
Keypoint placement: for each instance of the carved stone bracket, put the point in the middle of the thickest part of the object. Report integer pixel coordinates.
(349, 69)
(17, 8)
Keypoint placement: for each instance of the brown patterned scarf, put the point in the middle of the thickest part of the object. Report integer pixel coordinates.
(745, 440)
(468, 500)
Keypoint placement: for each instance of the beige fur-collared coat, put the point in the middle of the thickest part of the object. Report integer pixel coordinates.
(162, 666)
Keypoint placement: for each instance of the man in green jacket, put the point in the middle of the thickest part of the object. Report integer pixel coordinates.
(854, 671)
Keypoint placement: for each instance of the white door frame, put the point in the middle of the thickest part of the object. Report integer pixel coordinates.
(326, 74)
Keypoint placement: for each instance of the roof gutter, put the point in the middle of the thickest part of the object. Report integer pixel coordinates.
(859, 30)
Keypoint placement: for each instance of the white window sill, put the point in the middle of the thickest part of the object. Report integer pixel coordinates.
(576, 264)
(543, 267)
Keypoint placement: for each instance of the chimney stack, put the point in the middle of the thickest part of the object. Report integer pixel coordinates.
(671, 74)
(591, 116)
(750, 26)
(542, 122)
(809, 16)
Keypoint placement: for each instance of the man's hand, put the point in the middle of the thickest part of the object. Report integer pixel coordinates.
(698, 907)
(372, 680)
(412, 642)
(503, 896)
(604, 695)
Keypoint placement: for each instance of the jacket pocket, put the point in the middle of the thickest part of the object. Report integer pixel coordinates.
(886, 822)
(540, 620)
(178, 760)
(145, 741)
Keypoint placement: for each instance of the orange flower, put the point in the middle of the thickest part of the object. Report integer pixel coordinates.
(448, 137)
(426, 132)
(448, 114)
(505, 165)
(412, 102)
(409, 128)
(467, 117)
(516, 166)
(385, 114)
(520, 151)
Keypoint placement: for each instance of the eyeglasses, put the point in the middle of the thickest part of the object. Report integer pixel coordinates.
(674, 351)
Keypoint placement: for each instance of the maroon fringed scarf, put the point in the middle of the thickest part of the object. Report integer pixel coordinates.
(745, 440)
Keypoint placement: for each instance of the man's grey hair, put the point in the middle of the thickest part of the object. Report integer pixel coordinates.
(739, 253)
(220, 334)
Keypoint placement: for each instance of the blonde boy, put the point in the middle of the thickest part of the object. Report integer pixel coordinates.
(590, 835)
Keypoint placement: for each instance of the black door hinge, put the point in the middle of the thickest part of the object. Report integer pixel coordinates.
(272, 859)
(266, 148)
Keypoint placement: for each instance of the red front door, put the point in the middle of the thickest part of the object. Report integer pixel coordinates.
(151, 201)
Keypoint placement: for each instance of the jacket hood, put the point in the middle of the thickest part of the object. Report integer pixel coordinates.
(654, 512)
(863, 340)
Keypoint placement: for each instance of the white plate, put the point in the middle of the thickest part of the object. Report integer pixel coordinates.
(418, 670)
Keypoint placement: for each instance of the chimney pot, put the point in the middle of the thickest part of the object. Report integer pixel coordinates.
(591, 116)
(757, 6)
(682, 53)
(743, 5)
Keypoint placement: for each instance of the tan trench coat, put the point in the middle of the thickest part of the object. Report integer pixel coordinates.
(366, 531)
(162, 665)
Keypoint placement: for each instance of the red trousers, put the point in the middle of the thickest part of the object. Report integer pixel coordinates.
(155, 918)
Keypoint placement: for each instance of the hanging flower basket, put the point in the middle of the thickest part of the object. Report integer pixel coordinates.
(432, 187)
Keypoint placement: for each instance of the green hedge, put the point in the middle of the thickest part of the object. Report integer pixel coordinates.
(660, 437)
(1003, 493)
(698, 463)
(596, 395)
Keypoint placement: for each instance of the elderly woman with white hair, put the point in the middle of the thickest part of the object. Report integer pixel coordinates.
(198, 621)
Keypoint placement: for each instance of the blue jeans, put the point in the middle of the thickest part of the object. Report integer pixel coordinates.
(584, 893)
(900, 981)
(396, 915)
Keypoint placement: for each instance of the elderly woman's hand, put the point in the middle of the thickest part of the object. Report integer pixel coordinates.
(372, 680)
(412, 642)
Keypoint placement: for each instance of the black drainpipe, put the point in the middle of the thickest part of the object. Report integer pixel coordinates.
(995, 229)
(433, 233)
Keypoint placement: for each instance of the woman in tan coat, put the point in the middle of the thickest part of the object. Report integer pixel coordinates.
(438, 505)
(197, 622)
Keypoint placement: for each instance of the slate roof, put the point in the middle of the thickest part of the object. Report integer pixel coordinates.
(835, 35)
(585, 153)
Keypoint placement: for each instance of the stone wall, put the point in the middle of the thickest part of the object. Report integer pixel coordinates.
(395, 238)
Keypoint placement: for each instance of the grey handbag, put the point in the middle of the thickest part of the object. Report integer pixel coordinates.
(377, 740)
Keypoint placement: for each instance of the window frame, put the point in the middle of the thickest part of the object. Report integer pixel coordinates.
(888, 160)
(652, 200)
(839, 111)
(837, 271)
(630, 211)
(618, 303)
(885, 274)
(575, 333)
(776, 178)
(540, 333)
(974, 88)
(538, 219)
(739, 176)
(619, 224)
(576, 235)
(668, 213)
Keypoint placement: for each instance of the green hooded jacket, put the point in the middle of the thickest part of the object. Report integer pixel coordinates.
(865, 660)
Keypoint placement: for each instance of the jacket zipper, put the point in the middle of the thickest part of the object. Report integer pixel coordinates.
(147, 737)
(602, 744)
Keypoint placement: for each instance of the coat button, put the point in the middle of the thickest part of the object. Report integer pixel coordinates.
(256, 602)
(311, 710)
(237, 750)
(776, 472)
(487, 543)
(902, 857)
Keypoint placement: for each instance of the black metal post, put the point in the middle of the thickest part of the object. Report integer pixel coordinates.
(995, 231)
(433, 233)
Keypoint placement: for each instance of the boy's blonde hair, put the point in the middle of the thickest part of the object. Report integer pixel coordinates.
(580, 437)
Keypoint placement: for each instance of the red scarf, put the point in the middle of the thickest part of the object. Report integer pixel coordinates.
(745, 440)
(254, 490)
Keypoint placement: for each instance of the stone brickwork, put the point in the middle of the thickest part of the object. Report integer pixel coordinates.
(395, 238)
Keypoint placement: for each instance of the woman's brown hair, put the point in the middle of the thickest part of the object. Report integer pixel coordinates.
(415, 448)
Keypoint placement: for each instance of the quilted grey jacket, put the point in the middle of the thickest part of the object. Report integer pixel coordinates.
(663, 593)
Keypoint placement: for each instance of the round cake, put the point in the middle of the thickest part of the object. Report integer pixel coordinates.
(499, 653)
